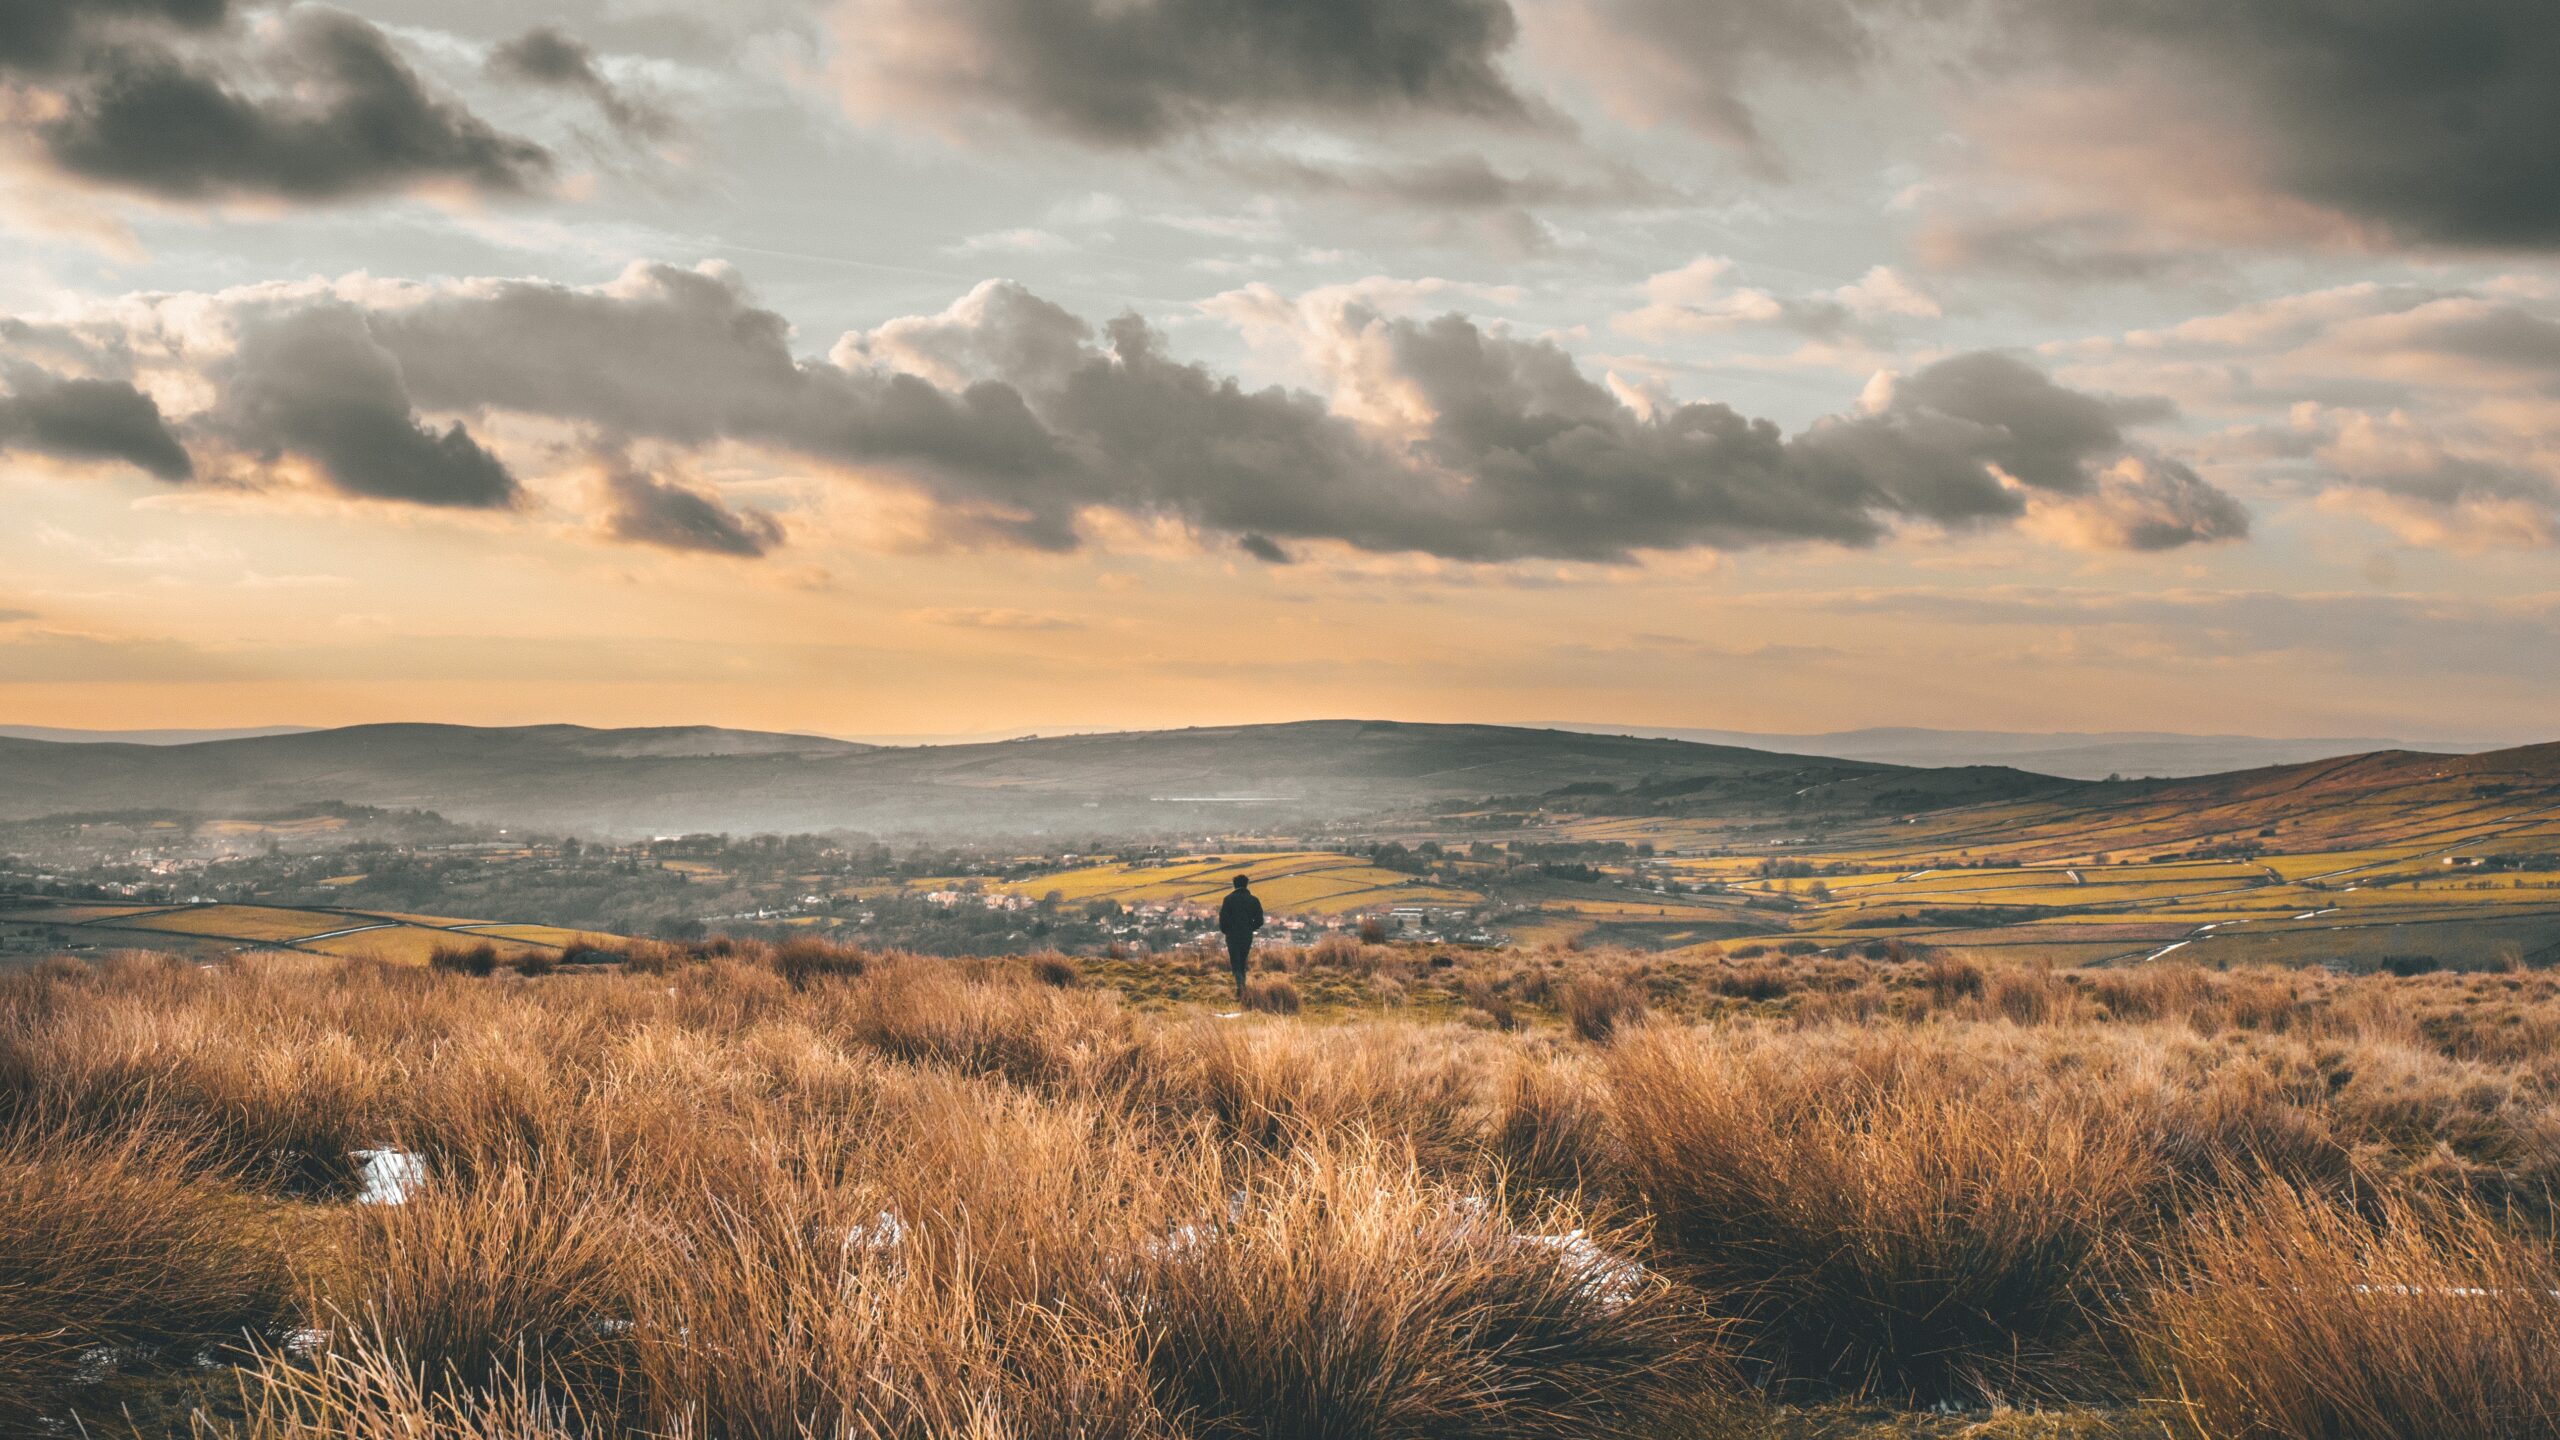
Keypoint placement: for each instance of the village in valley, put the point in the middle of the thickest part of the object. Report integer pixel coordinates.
(2423, 866)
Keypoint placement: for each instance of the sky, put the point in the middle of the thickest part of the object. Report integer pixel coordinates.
(946, 366)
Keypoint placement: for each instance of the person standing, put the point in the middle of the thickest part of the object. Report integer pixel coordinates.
(1238, 917)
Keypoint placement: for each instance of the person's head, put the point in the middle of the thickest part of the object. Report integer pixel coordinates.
(1240, 882)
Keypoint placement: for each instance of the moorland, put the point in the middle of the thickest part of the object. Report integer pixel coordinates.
(738, 1189)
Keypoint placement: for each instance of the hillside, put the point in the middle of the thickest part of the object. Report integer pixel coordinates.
(2393, 857)
(659, 781)
(2091, 755)
(31, 926)
(1222, 779)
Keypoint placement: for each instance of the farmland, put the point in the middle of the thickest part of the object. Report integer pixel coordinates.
(1300, 882)
(2365, 861)
(213, 930)
(2386, 859)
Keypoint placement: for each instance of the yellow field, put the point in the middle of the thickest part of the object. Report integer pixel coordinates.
(212, 930)
(411, 944)
(1299, 883)
(310, 825)
(552, 936)
(246, 922)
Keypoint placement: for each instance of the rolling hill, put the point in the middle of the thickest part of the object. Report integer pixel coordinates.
(2086, 755)
(698, 779)
(670, 780)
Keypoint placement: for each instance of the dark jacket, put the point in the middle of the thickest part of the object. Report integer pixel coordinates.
(1241, 914)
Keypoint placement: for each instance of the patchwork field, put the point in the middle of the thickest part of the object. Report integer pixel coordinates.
(2372, 860)
(1301, 882)
(208, 931)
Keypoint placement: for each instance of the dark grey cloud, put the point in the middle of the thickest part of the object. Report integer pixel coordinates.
(1019, 417)
(1113, 72)
(2438, 119)
(1262, 548)
(88, 419)
(546, 57)
(1020, 421)
(683, 356)
(1986, 436)
(649, 511)
(2432, 121)
(1571, 470)
(43, 36)
(330, 111)
(311, 382)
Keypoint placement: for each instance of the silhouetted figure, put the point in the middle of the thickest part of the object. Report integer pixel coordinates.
(1238, 918)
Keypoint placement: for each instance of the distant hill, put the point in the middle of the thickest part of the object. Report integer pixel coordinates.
(672, 780)
(2344, 803)
(2078, 756)
(1165, 783)
(141, 737)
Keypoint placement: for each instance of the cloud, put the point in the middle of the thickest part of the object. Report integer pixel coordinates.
(2428, 490)
(2140, 503)
(648, 511)
(1142, 73)
(544, 56)
(1697, 64)
(2435, 119)
(1516, 453)
(323, 110)
(1262, 548)
(2116, 139)
(1697, 299)
(1022, 240)
(2425, 634)
(972, 618)
(1022, 424)
(44, 36)
(88, 419)
(312, 382)
(1465, 182)
(2428, 411)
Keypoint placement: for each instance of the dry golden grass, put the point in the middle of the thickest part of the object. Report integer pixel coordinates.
(2287, 1314)
(1596, 1007)
(112, 1254)
(742, 1190)
(1904, 1212)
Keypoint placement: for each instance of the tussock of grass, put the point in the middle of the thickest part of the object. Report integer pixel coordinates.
(1349, 1297)
(2286, 1314)
(112, 1255)
(1596, 1007)
(1272, 995)
(1896, 1212)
